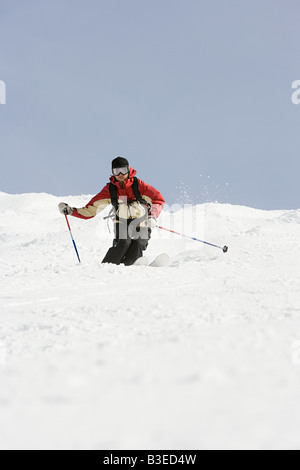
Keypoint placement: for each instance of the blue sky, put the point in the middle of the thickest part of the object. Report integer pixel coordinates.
(195, 93)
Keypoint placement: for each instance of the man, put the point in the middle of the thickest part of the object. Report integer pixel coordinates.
(136, 208)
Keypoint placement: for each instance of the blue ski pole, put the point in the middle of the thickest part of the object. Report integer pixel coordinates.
(224, 248)
(72, 238)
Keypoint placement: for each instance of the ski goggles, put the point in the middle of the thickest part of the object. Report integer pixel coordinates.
(121, 171)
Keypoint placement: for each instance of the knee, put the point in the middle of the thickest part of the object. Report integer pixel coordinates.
(143, 243)
(123, 243)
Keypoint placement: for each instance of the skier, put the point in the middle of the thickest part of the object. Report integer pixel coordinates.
(136, 206)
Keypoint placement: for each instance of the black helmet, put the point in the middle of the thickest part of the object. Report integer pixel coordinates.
(119, 162)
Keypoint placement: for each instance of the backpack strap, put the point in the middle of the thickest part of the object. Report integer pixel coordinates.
(136, 192)
(114, 196)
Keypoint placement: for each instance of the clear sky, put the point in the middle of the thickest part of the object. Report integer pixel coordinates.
(195, 93)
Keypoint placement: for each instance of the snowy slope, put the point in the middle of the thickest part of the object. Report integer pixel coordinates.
(202, 354)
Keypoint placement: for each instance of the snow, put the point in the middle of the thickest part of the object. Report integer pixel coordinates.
(201, 354)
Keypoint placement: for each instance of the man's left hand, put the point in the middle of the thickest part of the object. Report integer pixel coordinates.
(151, 222)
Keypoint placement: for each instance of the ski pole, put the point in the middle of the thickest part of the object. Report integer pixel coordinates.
(72, 238)
(224, 248)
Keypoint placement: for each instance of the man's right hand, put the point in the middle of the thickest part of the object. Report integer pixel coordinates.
(65, 208)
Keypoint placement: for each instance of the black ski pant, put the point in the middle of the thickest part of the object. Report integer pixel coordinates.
(127, 250)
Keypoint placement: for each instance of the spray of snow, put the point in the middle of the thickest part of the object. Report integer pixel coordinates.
(208, 190)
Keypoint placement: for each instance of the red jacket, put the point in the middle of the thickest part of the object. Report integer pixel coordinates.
(103, 199)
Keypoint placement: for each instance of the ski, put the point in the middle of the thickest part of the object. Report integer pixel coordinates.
(142, 261)
(160, 261)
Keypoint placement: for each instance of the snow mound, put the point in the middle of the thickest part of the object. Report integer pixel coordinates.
(201, 354)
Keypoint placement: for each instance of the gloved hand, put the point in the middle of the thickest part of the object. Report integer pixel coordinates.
(65, 208)
(150, 222)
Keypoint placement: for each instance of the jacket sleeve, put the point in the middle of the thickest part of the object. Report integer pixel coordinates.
(96, 205)
(153, 196)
